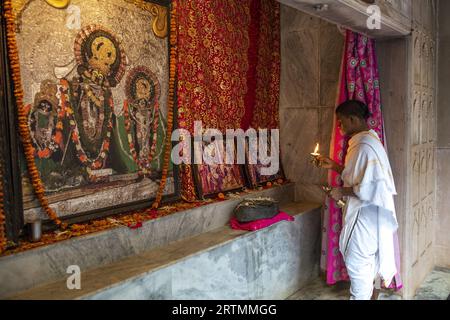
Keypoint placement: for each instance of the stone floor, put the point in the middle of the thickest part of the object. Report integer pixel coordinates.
(318, 290)
(435, 287)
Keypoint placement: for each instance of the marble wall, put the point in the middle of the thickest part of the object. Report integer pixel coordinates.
(311, 57)
(443, 138)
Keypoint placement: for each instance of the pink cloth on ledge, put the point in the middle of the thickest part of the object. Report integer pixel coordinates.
(261, 223)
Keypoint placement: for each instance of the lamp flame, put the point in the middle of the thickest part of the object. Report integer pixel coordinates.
(316, 151)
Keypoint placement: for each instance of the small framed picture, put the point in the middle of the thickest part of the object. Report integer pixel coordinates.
(214, 175)
(254, 171)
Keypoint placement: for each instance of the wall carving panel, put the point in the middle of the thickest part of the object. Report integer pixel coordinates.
(424, 119)
(430, 217)
(423, 137)
(415, 236)
(423, 173)
(431, 63)
(417, 56)
(415, 121)
(431, 119)
(415, 177)
(424, 62)
(429, 170)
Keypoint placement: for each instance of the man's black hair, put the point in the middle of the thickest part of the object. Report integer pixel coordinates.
(354, 108)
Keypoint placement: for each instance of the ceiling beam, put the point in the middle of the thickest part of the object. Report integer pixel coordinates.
(352, 14)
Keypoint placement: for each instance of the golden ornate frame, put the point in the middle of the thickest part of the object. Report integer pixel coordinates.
(60, 4)
(158, 12)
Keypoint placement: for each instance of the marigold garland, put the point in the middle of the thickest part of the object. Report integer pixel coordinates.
(171, 101)
(3, 240)
(90, 164)
(23, 116)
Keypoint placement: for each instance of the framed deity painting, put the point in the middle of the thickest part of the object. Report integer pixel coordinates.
(95, 80)
(254, 174)
(215, 176)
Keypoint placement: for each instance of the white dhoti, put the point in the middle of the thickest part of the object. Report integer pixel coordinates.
(362, 254)
(367, 238)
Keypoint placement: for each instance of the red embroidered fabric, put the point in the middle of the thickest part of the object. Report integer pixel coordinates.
(229, 67)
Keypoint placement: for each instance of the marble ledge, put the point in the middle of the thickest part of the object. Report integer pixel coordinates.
(18, 272)
(129, 274)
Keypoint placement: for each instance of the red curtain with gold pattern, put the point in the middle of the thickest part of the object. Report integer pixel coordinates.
(228, 67)
(263, 77)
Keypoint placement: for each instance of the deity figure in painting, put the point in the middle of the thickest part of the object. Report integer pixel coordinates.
(87, 99)
(254, 171)
(230, 177)
(220, 177)
(143, 120)
(45, 125)
(213, 179)
(42, 120)
(217, 176)
(204, 174)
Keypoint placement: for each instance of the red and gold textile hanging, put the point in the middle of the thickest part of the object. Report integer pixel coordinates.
(229, 67)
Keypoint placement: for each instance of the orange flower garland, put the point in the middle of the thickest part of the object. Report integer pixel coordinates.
(2, 215)
(171, 101)
(90, 164)
(22, 115)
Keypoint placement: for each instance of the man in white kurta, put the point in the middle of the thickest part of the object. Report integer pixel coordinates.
(367, 238)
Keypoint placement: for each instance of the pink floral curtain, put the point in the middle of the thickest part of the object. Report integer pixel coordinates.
(359, 80)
